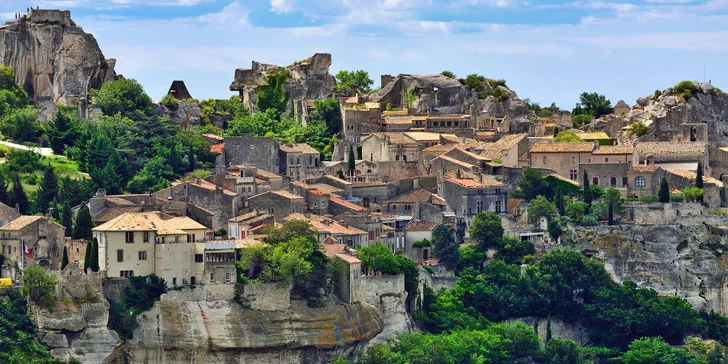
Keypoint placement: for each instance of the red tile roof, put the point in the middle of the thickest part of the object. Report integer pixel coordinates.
(213, 136)
(217, 149)
(347, 204)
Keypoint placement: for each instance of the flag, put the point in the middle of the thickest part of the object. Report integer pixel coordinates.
(25, 248)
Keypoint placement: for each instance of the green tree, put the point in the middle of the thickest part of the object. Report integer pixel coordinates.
(64, 259)
(289, 230)
(67, 218)
(541, 207)
(555, 230)
(444, 246)
(568, 136)
(559, 351)
(513, 250)
(560, 204)
(39, 285)
(48, 189)
(487, 230)
(612, 197)
(693, 194)
(699, 176)
(124, 96)
(94, 263)
(191, 160)
(587, 190)
(12, 95)
(62, 132)
(663, 193)
(654, 350)
(87, 257)
(82, 229)
(352, 160)
(556, 132)
(21, 125)
(593, 104)
(532, 184)
(328, 112)
(18, 197)
(272, 95)
(639, 129)
(548, 329)
(580, 120)
(357, 81)
(4, 198)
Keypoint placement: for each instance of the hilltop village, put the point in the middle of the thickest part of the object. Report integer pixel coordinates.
(310, 218)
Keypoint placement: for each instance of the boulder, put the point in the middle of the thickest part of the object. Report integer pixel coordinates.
(55, 340)
(60, 320)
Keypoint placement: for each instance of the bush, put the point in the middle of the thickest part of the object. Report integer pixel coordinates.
(39, 285)
(499, 93)
(677, 198)
(496, 83)
(649, 199)
(3, 151)
(589, 220)
(170, 102)
(686, 88)
(448, 74)
(424, 243)
(639, 129)
(475, 82)
(581, 120)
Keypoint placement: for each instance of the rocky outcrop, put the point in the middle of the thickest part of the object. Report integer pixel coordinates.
(188, 113)
(54, 59)
(310, 80)
(688, 261)
(225, 332)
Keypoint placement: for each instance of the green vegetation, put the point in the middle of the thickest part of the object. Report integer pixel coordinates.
(664, 193)
(580, 120)
(125, 97)
(541, 207)
(272, 96)
(487, 230)
(568, 136)
(19, 340)
(444, 246)
(592, 104)
(39, 286)
(541, 111)
(686, 89)
(357, 81)
(693, 194)
(170, 102)
(449, 74)
(140, 294)
(64, 259)
(638, 129)
(424, 243)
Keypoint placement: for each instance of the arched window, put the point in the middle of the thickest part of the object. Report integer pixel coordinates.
(640, 181)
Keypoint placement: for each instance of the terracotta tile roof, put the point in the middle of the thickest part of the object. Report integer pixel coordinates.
(119, 201)
(20, 223)
(440, 148)
(418, 196)
(346, 204)
(348, 258)
(368, 184)
(395, 138)
(562, 147)
(325, 225)
(649, 169)
(336, 180)
(217, 149)
(330, 250)
(211, 186)
(323, 187)
(286, 194)
(661, 148)
(613, 149)
(213, 136)
(592, 135)
(422, 136)
(495, 150)
(488, 182)
(454, 161)
(249, 216)
(421, 226)
(112, 212)
(162, 223)
(691, 176)
(298, 148)
(317, 192)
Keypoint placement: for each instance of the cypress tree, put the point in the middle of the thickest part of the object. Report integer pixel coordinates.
(587, 189)
(699, 176)
(62, 132)
(82, 229)
(87, 257)
(548, 328)
(560, 202)
(611, 214)
(18, 196)
(94, 264)
(352, 160)
(556, 132)
(67, 218)
(48, 189)
(192, 162)
(64, 260)
(4, 190)
(535, 326)
(664, 193)
(340, 173)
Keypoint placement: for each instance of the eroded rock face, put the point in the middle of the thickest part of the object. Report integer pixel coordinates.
(224, 332)
(54, 59)
(681, 260)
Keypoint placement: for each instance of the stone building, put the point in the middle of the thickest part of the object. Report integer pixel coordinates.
(358, 118)
(259, 152)
(349, 282)
(418, 203)
(672, 155)
(373, 194)
(713, 189)
(644, 180)
(417, 231)
(694, 132)
(330, 230)
(221, 202)
(457, 124)
(364, 221)
(407, 147)
(7, 214)
(43, 238)
(278, 203)
(561, 158)
(243, 226)
(466, 196)
(507, 149)
(179, 91)
(299, 161)
(621, 108)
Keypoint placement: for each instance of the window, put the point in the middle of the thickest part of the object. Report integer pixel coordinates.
(573, 160)
(640, 181)
(595, 180)
(212, 277)
(613, 181)
(545, 160)
(190, 238)
(624, 181)
(606, 160)
(271, 211)
(120, 255)
(479, 206)
(145, 236)
(498, 207)
(394, 207)
(396, 157)
(456, 123)
(449, 123)
(174, 281)
(143, 255)
(126, 273)
(227, 277)
(129, 236)
(573, 174)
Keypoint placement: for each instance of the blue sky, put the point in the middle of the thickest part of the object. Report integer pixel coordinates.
(547, 50)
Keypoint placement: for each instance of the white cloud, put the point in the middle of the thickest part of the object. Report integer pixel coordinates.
(281, 6)
(234, 14)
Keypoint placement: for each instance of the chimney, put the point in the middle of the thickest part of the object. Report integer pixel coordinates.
(458, 173)
(101, 192)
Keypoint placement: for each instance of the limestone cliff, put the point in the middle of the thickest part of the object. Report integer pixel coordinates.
(53, 58)
(224, 332)
(310, 80)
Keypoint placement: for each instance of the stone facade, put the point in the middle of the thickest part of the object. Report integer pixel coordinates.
(278, 203)
(43, 237)
(223, 203)
(466, 198)
(260, 152)
(266, 296)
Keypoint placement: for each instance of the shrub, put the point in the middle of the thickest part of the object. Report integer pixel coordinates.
(170, 102)
(581, 120)
(448, 74)
(499, 93)
(589, 220)
(475, 82)
(220, 232)
(39, 285)
(3, 151)
(657, 94)
(649, 199)
(639, 129)
(424, 243)
(686, 88)
(496, 83)
(677, 198)
(693, 194)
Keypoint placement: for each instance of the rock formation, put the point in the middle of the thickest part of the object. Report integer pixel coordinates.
(310, 80)
(54, 59)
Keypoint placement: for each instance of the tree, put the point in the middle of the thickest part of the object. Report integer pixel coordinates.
(87, 257)
(18, 196)
(21, 125)
(555, 230)
(699, 176)
(638, 129)
(39, 285)
(587, 190)
(568, 136)
(124, 96)
(62, 132)
(693, 194)
(654, 350)
(94, 263)
(612, 197)
(559, 351)
(556, 132)
(67, 218)
(512, 250)
(191, 161)
(358, 81)
(541, 207)
(273, 95)
(82, 229)
(12, 95)
(593, 104)
(487, 229)
(4, 198)
(560, 205)
(327, 111)
(289, 230)
(532, 184)
(64, 260)
(548, 328)
(664, 192)
(444, 246)
(352, 160)
(48, 189)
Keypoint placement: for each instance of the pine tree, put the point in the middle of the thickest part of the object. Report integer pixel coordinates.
(82, 229)
(175, 160)
(548, 328)
(94, 264)
(62, 132)
(67, 218)
(191, 160)
(64, 260)
(18, 196)
(352, 160)
(664, 193)
(48, 189)
(87, 257)
(699, 176)
(4, 191)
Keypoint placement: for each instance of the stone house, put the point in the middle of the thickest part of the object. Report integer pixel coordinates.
(713, 189)
(241, 227)
(213, 139)
(466, 196)
(44, 239)
(349, 282)
(644, 180)
(365, 170)
(330, 230)
(609, 175)
(220, 201)
(299, 161)
(338, 205)
(672, 155)
(278, 203)
(241, 180)
(142, 243)
(359, 119)
(694, 132)
(260, 152)
(7, 214)
(364, 221)
(418, 203)
(393, 229)
(457, 124)
(373, 194)
(621, 108)
(416, 231)
(407, 147)
(396, 123)
(561, 158)
(76, 250)
(507, 149)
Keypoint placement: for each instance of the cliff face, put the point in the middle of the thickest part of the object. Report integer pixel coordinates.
(53, 58)
(224, 332)
(688, 261)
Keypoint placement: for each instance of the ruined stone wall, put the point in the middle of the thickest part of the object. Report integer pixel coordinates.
(72, 284)
(670, 213)
(267, 296)
(259, 152)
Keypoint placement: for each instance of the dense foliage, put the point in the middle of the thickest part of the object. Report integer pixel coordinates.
(139, 296)
(18, 340)
(357, 81)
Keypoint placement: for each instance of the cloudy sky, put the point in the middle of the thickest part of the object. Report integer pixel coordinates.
(547, 50)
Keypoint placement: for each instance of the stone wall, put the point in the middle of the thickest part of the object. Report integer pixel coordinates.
(670, 213)
(73, 285)
(113, 288)
(260, 152)
(266, 296)
(386, 293)
(397, 170)
(559, 329)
